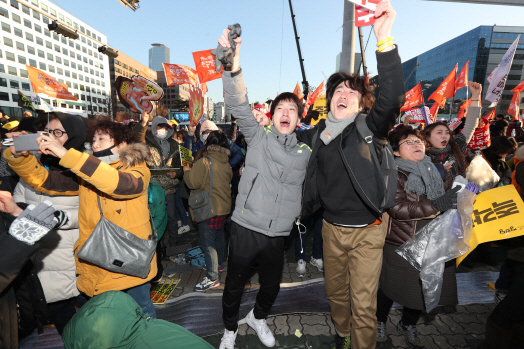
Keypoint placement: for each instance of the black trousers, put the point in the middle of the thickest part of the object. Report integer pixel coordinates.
(409, 316)
(247, 250)
(511, 309)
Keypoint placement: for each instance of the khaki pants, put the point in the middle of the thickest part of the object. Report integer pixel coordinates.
(353, 259)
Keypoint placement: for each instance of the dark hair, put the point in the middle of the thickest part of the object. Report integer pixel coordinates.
(397, 136)
(217, 137)
(461, 160)
(118, 132)
(503, 145)
(180, 133)
(501, 116)
(287, 97)
(354, 82)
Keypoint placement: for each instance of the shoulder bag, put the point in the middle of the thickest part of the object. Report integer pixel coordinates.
(115, 249)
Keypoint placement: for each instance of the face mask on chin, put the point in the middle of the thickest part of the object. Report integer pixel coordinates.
(105, 152)
(162, 133)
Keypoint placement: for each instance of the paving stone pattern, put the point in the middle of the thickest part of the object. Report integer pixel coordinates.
(445, 327)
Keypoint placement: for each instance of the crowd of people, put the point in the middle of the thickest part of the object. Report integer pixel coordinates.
(245, 191)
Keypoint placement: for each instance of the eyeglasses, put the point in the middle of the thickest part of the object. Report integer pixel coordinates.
(56, 133)
(412, 142)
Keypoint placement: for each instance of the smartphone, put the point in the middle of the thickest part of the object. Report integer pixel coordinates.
(26, 142)
(449, 163)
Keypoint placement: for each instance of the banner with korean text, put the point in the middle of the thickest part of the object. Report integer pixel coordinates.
(480, 138)
(498, 214)
(46, 84)
(205, 66)
(177, 74)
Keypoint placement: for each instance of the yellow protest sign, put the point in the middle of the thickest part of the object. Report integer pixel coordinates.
(186, 156)
(320, 105)
(498, 214)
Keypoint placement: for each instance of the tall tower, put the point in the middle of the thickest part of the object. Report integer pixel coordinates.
(158, 54)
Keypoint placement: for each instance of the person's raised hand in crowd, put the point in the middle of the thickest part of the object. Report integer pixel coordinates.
(262, 118)
(224, 41)
(384, 18)
(8, 204)
(407, 119)
(144, 118)
(476, 90)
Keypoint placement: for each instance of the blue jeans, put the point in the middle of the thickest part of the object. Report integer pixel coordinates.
(141, 295)
(212, 244)
(313, 222)
(180, 210)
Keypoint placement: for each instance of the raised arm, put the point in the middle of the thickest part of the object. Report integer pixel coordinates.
(141, 127)
(474, 111)
(236, 95)
(386, 109)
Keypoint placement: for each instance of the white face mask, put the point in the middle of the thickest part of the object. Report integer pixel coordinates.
(162, 133)
(204, 138)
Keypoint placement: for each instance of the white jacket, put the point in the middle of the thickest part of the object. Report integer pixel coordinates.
(55, 260)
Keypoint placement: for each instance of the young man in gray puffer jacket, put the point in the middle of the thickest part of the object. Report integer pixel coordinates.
(268, 201)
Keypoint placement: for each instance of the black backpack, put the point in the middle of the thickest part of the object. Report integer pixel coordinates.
(388, 167)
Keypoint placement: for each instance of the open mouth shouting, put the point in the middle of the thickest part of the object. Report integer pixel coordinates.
(444, 143)
(341, 107)
(284, 122)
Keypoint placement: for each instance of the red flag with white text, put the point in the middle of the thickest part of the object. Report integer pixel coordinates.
(433, 111)
(297, 91)
(481, 138)
(414, 97)
(205, 66)
(364, 12)
(462, 79)
(446, 88)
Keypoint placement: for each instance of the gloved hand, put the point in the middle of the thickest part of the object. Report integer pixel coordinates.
(224, 55)
(32, 224)
(447, 201)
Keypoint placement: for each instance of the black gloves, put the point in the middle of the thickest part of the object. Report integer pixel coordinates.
(447, 201)
(224, 55)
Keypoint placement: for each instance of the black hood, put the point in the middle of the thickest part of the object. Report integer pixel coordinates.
(76, 133)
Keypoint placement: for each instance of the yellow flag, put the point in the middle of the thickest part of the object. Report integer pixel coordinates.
(320, 105)
(498, 214)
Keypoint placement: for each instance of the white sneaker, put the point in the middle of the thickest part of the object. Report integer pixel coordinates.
(319, 263)
(179, 223)
(183, 229)
(260, 327)
(228, 339)
(301, 268)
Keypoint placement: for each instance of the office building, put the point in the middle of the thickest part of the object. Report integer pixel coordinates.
(126, 66)
(158, 54)
(26, 39)
(220, 112)
(483, 47)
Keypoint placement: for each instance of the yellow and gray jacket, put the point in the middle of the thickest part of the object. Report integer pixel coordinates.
(270, 190)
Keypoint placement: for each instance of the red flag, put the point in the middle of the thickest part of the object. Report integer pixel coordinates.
(364, 16)
(446, 88)
(413, 98)
(433, 111)
(205, 66)
(514, 107)
(481, 138)
(462, 79)
(308, 103)
(519, 87)
(464, 109)
(177, 74)
(298, 92)
(485, 120)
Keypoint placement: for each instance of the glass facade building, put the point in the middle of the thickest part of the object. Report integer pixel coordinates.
(483, 47)
(26, 40)
(158, 54)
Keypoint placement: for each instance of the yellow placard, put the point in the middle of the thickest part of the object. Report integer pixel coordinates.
(186, 156)
(498, 214)
(320, 105)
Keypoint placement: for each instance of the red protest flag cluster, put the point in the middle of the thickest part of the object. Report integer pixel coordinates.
(414, 97)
